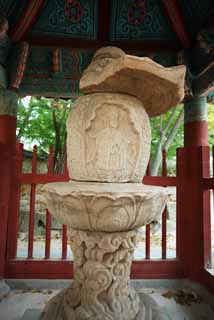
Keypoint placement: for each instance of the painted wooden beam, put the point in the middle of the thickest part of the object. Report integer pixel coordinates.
(174, 14)
(28, 17)
(144, 45)
(56, 60)
(204, 82)
(19, 72)
(104, 15)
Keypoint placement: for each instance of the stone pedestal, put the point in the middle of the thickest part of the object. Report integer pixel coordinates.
(103, 219)
(108, 149)
(100, 289)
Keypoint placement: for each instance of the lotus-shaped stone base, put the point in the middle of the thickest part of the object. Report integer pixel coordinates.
(106, 207)
(103, 219)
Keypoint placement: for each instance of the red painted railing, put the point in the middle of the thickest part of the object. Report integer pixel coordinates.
(193, 231)
(31, 267)
(207, 276)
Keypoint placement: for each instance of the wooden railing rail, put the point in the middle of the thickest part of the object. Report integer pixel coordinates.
(31, 267)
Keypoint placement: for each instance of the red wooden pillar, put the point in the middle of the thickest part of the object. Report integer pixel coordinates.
(195, 119)
(8, 106)
(193, 165)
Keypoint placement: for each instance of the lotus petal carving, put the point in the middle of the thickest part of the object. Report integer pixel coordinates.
(103, 206)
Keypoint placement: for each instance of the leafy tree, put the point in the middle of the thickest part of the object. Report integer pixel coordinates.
(42, 121)
(164, 130)
(168, 133)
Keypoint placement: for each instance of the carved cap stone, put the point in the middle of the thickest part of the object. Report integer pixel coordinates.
(108, 53)
(111, 70)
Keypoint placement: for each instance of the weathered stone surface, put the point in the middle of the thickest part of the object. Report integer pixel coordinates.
(109, 139)
(101, 288)
(108, 207)
(158, 88)
(4, 289)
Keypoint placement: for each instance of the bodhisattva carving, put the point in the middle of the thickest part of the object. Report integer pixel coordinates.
(108, 139)
(100, 289)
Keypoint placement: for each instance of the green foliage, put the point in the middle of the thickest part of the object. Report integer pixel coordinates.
(211, 124)
(178, 140)
(160, 122)
(42, 121)
(36, 125)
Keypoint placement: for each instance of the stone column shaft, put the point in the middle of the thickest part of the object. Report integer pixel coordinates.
(101, 287)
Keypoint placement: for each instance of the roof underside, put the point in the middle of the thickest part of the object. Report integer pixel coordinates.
(109, 20)
(155, 28)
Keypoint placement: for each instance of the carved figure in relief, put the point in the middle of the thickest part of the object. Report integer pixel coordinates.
(112, 149)
(108, 138)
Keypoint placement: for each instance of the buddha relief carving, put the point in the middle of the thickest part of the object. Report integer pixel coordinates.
(106, 141)
(109, 150)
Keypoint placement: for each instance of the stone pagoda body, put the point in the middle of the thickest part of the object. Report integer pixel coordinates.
(105, 203)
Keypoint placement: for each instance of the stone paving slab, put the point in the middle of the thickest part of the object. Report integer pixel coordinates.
(32, 314)
(28, 295)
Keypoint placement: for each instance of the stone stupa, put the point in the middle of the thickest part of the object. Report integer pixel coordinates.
(105, 202)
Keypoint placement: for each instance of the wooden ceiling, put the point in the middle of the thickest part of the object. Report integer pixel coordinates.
(54, 40)
(128, 24)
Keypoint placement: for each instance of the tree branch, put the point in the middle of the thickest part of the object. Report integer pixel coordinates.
(174, 130)
(25, 121)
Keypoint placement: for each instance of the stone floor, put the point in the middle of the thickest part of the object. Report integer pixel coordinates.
(180, 299)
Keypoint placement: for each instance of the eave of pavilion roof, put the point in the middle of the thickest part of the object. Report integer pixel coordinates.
(79, 27)
(104, 21)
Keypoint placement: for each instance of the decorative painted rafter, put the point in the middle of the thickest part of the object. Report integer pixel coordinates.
(103, 26)
(173, 12)
(203, 84)
(56, 60)
(22, 61)
(27, 19)
(126, 45)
